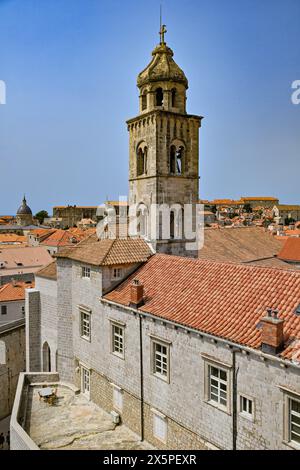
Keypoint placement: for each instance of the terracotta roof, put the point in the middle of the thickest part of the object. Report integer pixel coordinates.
(226, 300)
(292, 233)
(75, 207)
(108, 252)
(12, 238)
(49, 271)
(288, 207)
(117, 203)
(225, 201)
(239, 244)
(14, 291)
(23, 260)
(42, 232)
(290, 250)
(259, 198)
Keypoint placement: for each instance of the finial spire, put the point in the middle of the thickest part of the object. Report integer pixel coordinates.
(162, 29)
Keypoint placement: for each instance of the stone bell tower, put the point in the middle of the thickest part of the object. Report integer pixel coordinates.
(163, 146)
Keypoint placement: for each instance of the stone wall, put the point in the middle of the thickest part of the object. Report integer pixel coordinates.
(12, 362)
(48, 296)
(33, 329)
(14, 311)
(65, 350)
(191, 419)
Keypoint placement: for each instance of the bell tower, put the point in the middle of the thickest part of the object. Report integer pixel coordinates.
(163, 145)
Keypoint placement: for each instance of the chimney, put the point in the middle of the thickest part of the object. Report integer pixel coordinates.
(136, 294)
(272, 339)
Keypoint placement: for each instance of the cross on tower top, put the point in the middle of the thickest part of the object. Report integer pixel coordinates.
(162, 32)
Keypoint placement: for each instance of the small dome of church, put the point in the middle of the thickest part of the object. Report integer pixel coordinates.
(24, 209)
(162, 67)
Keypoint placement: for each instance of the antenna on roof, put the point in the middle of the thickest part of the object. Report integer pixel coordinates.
(162, 27)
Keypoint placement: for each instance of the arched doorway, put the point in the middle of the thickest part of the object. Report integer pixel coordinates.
(46, 357)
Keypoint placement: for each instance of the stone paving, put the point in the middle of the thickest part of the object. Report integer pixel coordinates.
(75, 423)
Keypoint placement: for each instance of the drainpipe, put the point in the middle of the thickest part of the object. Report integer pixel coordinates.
(234, 398)
(141, 378)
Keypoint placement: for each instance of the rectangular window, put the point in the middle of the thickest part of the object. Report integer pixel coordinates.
(246, 407)
(160, 358)
(86, 272)
(217, 385)
(117, 273)
(117, 339)
(159, 427)
(117, 398)
(294, 421)
(85, 325)
(23, 310)
(3, 309)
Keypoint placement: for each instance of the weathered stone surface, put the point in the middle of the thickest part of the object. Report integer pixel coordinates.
(73, 422)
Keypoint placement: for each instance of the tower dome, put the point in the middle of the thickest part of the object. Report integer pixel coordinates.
(24, 209)
(24, 214)
(162, 68)
(162, 83)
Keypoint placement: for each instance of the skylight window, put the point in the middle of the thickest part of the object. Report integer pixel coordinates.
(297, 311)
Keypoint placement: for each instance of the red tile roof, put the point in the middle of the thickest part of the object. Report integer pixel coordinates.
(108, 252)
(290, 250)
(226, 300)
(49, 271)
(14, 291)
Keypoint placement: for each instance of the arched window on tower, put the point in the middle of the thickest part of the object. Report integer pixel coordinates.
(173, 160)
(144, 101)
(140, 162)
(173, 98)
(176, 159)
(172, 225)
(142, 152)
(159, 97)
(179, 160)
(145, 160)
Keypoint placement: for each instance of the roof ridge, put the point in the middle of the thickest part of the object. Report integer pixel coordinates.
(229, 263)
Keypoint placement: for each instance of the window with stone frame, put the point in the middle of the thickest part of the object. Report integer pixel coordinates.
(217, 383)
(247, 407)
(294, 421)
(85, 325)
(117, 339)
(117, 273)
(160, 359)
(218, 388)
(3, 309)
(85, 272)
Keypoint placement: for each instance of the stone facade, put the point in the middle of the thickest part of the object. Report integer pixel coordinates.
(192, 421)
(12, 362)
(15, 311)
(69, 216)
(163, 150)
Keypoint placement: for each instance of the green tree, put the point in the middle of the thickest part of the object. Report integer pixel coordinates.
(41, 215)
(289, 221)
(247, 208)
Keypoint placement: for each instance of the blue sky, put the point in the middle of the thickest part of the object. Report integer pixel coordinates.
(70, 68)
